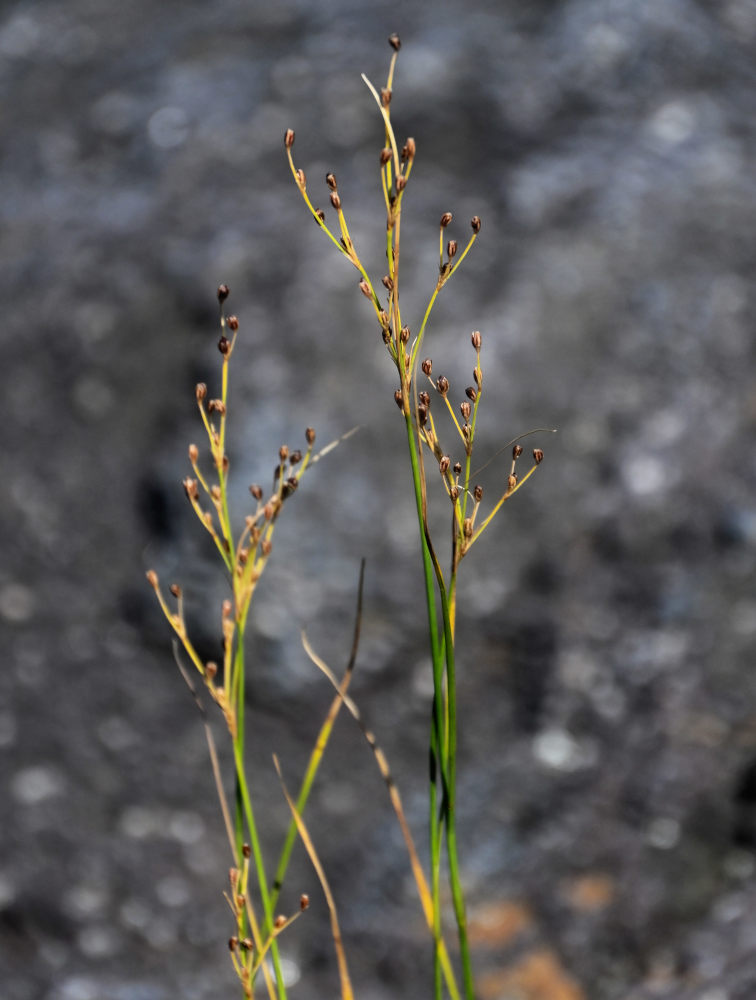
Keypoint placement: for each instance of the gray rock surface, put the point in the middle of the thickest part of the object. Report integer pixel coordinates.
(607, 696)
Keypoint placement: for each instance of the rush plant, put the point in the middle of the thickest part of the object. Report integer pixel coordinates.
(424, 402)
(417, 391)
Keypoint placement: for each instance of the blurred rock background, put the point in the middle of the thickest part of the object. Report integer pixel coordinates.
(607, 631)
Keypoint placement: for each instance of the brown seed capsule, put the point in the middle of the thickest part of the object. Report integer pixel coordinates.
(223, 291)
(211, 669)
(216, 406)
(476, 339)
(191, 489)
(387, 282)
(233, 323)
(302, 179)
(475, 223)
(454, 493)
(267, 547)
(335, 200)
(451, 247)
(290, 485)
(289, 138)
(537, 455)
(424, 398)
(395, 42)
(427, 366)
(478, 493)
(442, 384)
(175, 590)
(280, 920)
(304, 901)
(310, 436)
(233, 943)
(443, 465)
(295, 458)
(331, 181)
(477, 376)
(446, 219)
(193, 453)
(385, 96)
(283, 452)
(511, 481)
(468, 527)
(385, 156)
(422, 415)
(404, 334)
(224, 346)
(200, 391)
(411, 148)
(398, 398)
(516, 452)
(465, 409)
(152, 578)
(471, 392)
(320, 214)
(256, 491)
(248, 944)
(457, 468)
(365, 289)
(246, 850)
(401, 183)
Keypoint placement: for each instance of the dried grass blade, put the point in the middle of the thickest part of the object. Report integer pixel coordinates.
(346, 984)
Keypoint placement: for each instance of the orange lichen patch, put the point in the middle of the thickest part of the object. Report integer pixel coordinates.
(590, 892)
(497, 924)
(539, 975)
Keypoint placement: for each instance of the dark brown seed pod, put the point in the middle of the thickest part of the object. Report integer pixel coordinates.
(246, 850)
(295, 458)
(451, 248)
(477, 376)
(401, 183)
(365, 289)
(468, 527)
(256, 491)
(471, 392)
(395, 42)
(283, 452)
(331, 181)
(516, 452)
(335, 200)
(442, 384)
(190, 488)
(427, 366)
(446, 219)
(267, 547)
(475, 223)
(385, 96)
(457, 468)
(385, 156)
(320, 214)
(404, 334)
(478, 493)
(537, 456)
(422, 415)
(465, 409)
(454, 494)
(398, 398)
(193, 453)
(302, 179)
(211, 669)
(233, 323)
(443, 465)
(511, 481)
(200, 390)
(175, 590)
(387, 282)
(233, 943)
(476, 339)
(223, 292)
(310, 436)
(289, 138)
(424, 398)
(411, 147)
(304, 901)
